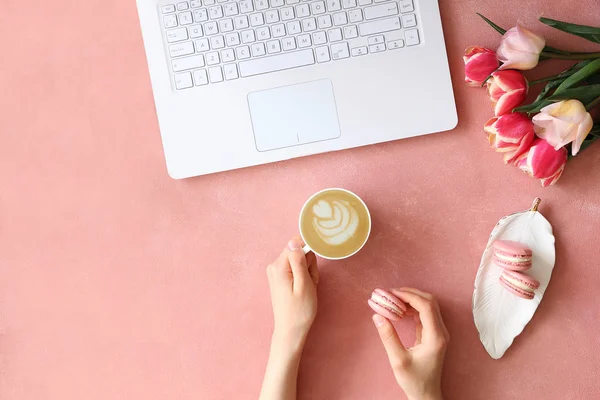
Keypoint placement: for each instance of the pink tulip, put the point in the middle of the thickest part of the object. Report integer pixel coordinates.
(562, 123)
(520, 49)
(479, 64)
(543, 162)
(510, 134)
(507, 89)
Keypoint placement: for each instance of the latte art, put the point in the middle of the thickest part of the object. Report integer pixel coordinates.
(335, 222)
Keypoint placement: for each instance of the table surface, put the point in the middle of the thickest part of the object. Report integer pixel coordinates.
(117, 282)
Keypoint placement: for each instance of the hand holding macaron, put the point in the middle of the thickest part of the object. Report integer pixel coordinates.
(418, 369)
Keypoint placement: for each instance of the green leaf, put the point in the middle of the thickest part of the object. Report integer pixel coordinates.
(547, 89)
(500, 30)
(534, 107)
(584, 94)
(587, 32)
(590, 69)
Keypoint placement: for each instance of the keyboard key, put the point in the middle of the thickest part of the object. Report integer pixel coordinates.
(215, 12)
(272, 16)
(195, 3)
(177, 35)
(335, 35)
(359, 51)
(200, 77)
(181, 64)
(257, 19)
(382, 10)
(409, 21)
(277, 3)
(217, 42)
(227, 55)
(350, 32)
(376, 48)
(195, 31)
(183, 6)
(309, 25)
(222, 1)
(183, 81)
(302, 10)
(246, 6)
(376, 39)
(201, 15)
(406, 6)
(209, 2)
(241, 22)
(248, 36)
(186, 18)
(333, 5)
(231, 71)
(226, 25)
(324, 22)
(263, 33)
(261, 5)
(289, 2)
(232, 39)
(168, 9)
(355, 15)
(395, 44)
(365, 2)
(349, 3)
(304, 41)
(279, 30)
(339, 51)
(379, 26)
(293, 28)
(340, 19)
(181, 49)
(287, 13)
(273, 47)
(276, 63)
(319, 38)
(211, 28)
(215, 74)
(288, 43)
(412, 37)
(170, 21)
(231, 9)
(258, 49)
(202, 45)
(212, 58)
(318, 7)
(242, 52)
(322, 54)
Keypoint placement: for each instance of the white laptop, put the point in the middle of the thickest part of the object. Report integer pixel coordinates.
(245, 82)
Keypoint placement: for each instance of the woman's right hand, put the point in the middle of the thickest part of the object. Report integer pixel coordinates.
(417, 369)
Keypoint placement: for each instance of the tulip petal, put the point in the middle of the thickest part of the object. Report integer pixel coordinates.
(544, 160)
(584, 129)
(510, 101)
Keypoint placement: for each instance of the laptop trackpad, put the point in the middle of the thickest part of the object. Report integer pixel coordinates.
(292, 115)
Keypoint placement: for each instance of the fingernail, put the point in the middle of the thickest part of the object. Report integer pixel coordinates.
(379, 320)
(293, 245)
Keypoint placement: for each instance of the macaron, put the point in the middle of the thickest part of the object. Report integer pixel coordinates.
(519, 284)
(511, 255)
(387, 305)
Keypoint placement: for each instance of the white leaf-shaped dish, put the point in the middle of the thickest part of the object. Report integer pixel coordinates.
(499, 315)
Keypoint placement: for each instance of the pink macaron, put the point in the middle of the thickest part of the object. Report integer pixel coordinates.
(511, 255)
(387, 305)
(519, 284)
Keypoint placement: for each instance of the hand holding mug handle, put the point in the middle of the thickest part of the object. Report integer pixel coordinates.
(306, 249)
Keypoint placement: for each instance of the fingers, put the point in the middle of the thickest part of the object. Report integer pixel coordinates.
(299, 264)
(419, 332)
(431, 298)
(429, 315)
(313, 268)
(397, 353)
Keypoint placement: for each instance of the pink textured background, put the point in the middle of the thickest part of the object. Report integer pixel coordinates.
(117, 282)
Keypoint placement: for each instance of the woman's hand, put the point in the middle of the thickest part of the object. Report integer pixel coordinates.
(418, 369)
(293, 279)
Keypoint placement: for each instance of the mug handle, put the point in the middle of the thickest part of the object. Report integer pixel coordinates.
(306, 249)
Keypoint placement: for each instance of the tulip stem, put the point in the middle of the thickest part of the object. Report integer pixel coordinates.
(593, 104)
(570, 56)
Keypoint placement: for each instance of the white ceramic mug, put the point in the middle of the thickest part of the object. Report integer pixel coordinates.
(307, 248)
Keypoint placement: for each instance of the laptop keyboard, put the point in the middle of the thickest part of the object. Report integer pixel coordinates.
(214, 41)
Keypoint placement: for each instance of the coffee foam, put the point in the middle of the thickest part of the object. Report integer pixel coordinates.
(334, 221)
